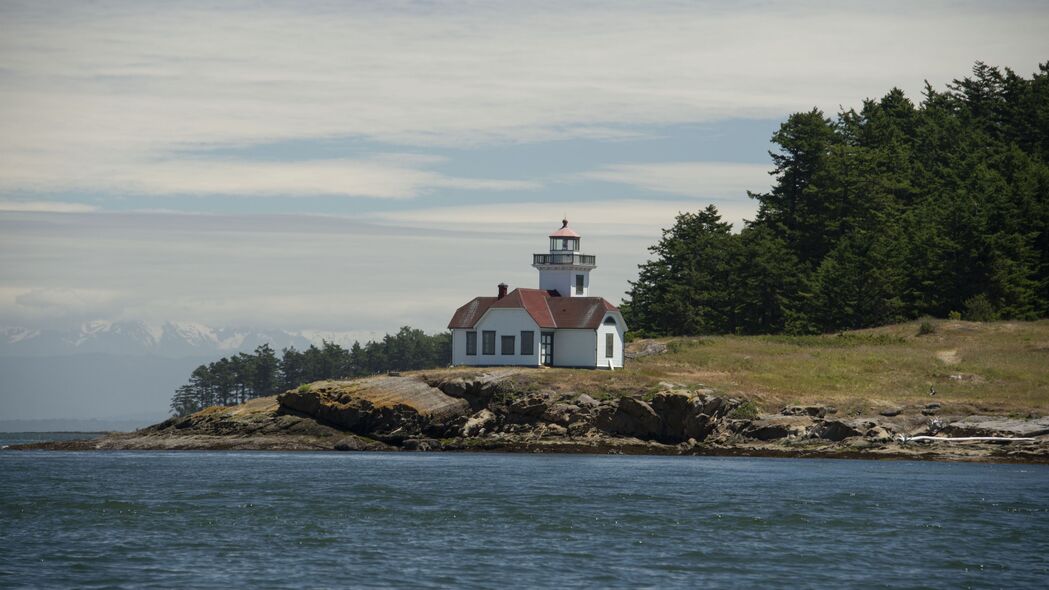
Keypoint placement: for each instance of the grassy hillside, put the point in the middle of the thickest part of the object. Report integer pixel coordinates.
(1000, 367)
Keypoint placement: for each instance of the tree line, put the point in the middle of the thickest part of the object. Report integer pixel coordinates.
(882, 214)
(239, 378)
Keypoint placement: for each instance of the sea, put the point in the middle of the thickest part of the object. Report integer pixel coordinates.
(146, 519)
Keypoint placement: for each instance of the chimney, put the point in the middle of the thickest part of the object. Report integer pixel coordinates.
(502, 290)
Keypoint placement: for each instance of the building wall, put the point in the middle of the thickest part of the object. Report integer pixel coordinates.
(503, 322)
(563, 281)
(574, 348)
(618, 331)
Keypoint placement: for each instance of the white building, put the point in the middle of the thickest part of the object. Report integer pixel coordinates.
(557, 325)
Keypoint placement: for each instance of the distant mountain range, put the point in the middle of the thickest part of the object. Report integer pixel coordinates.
(170, 339)
(104, 375)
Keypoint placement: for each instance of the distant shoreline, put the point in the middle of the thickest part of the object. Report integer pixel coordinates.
(939, 452)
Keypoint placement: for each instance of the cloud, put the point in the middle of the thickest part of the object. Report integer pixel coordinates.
(694, 179)
(98, 93)
(45, 207)
(608, 218)
(68, 301)
(297, 271)
(343, 177)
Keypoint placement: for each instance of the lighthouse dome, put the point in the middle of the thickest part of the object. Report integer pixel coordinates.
(565, 231)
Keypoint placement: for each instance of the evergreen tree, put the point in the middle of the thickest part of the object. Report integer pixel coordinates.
(687, 289)
(242, 377)
(890, 212)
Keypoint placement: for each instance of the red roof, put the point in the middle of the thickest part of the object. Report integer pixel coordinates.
(548, 309)
(565, 231)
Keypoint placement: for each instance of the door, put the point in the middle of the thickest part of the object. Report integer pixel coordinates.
(546, 348)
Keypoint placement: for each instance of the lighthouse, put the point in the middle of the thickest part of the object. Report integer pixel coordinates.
(565, 269)
(557, 325)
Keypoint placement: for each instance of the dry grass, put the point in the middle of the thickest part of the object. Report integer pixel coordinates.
(1000, 368)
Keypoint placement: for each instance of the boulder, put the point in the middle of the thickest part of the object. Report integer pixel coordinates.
(716, 406)
(585, 401)
(422, 444)
(476, 390)
(645, 349)
(674, 409)
(350, 443)
(858, 443)
(698, 427)
(479, 424)
(375, 405)
(997, 426)
(878, 434)
(555, 430)
(814, 411)
(527, 410)
(835, 430)
(889, 412)
(579, 428)
(634, 417)
(560, 413)
(777, 427)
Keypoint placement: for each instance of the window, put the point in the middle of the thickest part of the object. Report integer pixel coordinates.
(610, 345)
(507, 345)
(488, 344)
(579, 284)
(610, 321)
(527, 343)
(471, 343)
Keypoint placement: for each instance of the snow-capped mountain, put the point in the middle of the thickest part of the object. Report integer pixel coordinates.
(171, 339)
(105, 369)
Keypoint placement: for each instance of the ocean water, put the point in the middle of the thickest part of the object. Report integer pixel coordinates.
(23, 438)
(334, 520)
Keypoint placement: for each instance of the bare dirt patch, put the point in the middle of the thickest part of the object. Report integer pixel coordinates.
(948, 357)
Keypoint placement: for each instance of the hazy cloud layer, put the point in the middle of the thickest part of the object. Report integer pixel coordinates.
(103, 95)
(127, 106)
(694, 179)
(319, 273)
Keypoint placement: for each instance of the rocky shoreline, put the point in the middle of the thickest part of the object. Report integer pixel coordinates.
(490, 411)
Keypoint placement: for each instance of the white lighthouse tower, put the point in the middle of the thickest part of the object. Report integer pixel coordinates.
(564, 269)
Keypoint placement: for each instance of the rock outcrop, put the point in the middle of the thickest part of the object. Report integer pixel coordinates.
(777, 427)
(490, 410)
(997, 426)
(382, 407)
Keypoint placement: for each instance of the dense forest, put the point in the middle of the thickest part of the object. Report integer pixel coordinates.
(891, 212)
(239, 378)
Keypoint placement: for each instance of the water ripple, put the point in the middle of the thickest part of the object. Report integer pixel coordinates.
(288, 520)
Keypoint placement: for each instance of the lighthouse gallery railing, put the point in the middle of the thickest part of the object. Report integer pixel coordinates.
(573, 259)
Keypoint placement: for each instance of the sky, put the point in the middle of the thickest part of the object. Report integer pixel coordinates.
(358, 166)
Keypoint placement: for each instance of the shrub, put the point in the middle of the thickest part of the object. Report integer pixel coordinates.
(925, 328)
(745, 411)
(954, 315)
(304, 388)
(979, 309)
